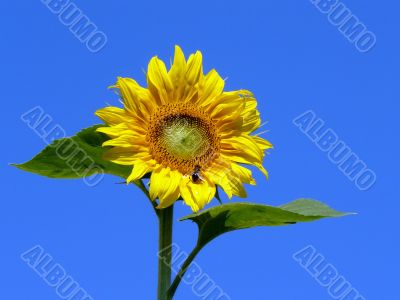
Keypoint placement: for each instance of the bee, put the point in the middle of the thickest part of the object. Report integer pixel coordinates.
(195, 176)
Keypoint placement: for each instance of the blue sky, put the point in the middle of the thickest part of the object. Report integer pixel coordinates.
(292, 58)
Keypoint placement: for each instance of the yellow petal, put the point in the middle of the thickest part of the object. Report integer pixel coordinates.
(235, 113)
(262, 143)
(177, 74)
(262, 169)
(112, 115)
(114, 131)
(139, 170)
(251, 120)
(137, 99)
(237, 188)
(155, 183)
(210, 88)
(243, 173)
(121, 155)
(127, 140)
(233, 98)
(228, 112)
(158, 80)
(220, 177)
(171, 194)
(194, 68)
(242, 149)
(229, 179)
(197, 195)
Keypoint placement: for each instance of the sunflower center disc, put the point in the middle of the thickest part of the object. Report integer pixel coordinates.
(182, 137)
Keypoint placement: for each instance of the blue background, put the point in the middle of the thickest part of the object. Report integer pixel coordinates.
(292, 58)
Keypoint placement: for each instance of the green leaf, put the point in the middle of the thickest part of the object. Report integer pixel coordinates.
(233, 216)
(75, 157)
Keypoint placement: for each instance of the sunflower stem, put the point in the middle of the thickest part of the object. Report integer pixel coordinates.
(165, 218)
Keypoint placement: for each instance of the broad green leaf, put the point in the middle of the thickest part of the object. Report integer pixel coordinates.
(233, 216)
(75, 157)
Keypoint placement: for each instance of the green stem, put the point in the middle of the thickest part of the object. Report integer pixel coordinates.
(165, 218)
(182, 271)
(165, 222)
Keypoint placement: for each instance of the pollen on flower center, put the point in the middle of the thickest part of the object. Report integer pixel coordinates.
(182, 137)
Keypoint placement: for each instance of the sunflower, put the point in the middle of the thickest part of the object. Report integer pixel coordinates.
(185, 132)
